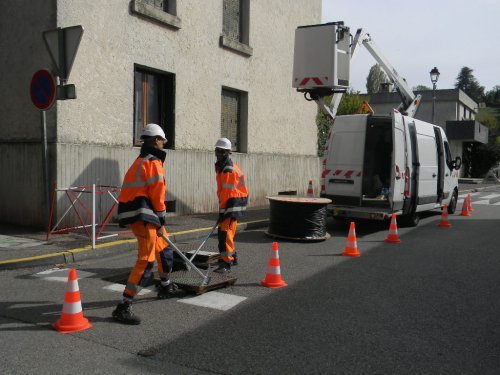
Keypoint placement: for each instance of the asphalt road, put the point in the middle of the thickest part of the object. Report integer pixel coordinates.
(428, 305)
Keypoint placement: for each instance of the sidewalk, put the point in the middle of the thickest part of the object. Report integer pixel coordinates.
(24, 247)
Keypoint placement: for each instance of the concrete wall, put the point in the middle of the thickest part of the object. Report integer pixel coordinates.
(103, 74)
(90, 138)
(190, 175)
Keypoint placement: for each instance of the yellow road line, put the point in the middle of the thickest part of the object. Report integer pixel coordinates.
(108, 244)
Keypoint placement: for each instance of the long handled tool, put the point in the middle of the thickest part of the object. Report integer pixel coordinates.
(205, 240)
(189, 264)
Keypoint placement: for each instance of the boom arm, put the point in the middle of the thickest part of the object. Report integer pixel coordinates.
(409, 102)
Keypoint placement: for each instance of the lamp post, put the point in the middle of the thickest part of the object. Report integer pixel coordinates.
(434, 78)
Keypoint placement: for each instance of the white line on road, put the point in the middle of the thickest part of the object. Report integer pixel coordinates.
(119, 288)
(214, 300)
(486, 202)
(61, 274)
(491, 196)
(460, 196)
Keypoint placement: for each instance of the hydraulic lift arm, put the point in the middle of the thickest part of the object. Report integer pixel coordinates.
(409, 102)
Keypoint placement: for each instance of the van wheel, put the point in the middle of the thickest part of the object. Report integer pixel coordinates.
(453, 203)
(410, 220)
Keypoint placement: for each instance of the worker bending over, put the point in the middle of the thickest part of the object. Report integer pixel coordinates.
(142, 208)
(233, 199)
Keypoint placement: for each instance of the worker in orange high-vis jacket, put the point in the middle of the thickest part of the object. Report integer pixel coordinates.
(233, 199)
(141, 207)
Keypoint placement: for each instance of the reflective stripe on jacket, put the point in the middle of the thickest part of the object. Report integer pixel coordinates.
(142, 196)
(231, 189)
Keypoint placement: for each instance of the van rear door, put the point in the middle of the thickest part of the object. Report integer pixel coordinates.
(344, 162)
(428, 160)
(396, 198)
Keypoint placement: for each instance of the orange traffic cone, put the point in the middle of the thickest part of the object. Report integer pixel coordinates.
(351, 248)
(465, 208)
(444, 218)
(273, 275)
(72, 319)
(310, 191)
(393, 237)
(469, 201)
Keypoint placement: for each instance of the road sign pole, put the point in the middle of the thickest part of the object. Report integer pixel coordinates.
(45, 162)
(63, 76)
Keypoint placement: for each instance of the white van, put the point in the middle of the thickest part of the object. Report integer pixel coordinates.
(378, 165)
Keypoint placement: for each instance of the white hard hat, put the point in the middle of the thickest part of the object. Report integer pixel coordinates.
(223, 143)
(153, 130)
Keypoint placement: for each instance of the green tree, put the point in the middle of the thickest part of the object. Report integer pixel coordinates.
(348, 105)
(421, 88)
(483, 157)
(492, 97)
(489, 120)
(468, 83)
(480, 158)
(375, 78)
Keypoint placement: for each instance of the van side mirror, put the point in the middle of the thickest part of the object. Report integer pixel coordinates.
(457, 163)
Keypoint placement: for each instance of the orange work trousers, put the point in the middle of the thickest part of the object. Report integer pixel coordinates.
(151, 248)
(226, 233)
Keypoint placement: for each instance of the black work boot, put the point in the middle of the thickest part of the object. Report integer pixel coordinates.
(235, 259)
(223, 267)
(170, 291)
(124, 315)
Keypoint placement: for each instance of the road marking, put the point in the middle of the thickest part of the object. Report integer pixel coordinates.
(485, 202)
(61, 274)
(491, 196)
(460, 196)
(10, 241)
(119, 288)
(214, 300)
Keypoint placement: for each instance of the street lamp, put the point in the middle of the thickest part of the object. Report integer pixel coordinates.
(434, 78)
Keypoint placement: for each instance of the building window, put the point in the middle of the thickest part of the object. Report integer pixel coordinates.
(231, 18)
(154, 94)
(234, 118)
(162, 11)
(236, 26)
(159, 4)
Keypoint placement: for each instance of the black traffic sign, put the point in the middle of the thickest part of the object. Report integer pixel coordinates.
(43, 89)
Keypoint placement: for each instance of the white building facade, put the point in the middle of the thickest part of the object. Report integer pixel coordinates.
(201, 70)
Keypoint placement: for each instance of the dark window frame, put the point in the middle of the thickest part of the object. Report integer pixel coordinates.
(241, 44)
(164, 90)
(240, 140)
(163, 12)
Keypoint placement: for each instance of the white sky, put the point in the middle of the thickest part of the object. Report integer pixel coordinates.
(417, 35)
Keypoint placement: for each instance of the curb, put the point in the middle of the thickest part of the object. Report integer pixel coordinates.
(110, 248)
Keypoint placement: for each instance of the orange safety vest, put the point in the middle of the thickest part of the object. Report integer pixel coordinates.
(231, 189)
(142, 196)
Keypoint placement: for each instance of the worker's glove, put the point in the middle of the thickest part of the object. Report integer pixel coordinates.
(161, 231)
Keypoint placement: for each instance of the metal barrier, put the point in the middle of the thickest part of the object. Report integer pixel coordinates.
(74, 195)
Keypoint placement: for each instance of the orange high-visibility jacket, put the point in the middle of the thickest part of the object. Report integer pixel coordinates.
(231, 189)
(142, 196)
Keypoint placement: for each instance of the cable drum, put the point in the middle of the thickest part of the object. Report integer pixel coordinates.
(298, 218)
